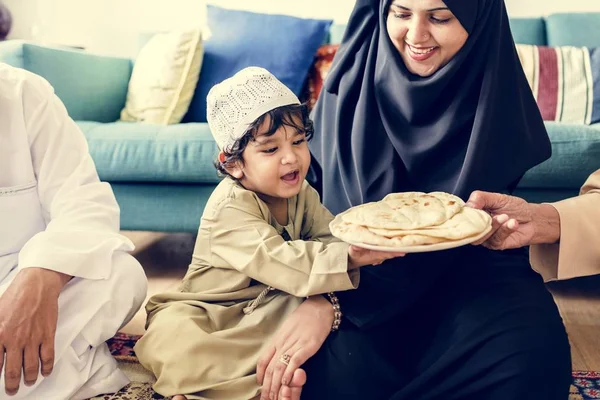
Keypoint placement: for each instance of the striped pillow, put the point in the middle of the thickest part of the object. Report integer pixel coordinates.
(565, 81)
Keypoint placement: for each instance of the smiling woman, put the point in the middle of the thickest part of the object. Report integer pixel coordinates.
(416, 101)
(426, 34)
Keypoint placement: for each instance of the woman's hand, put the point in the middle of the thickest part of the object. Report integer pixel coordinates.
(359, 257)
(300, 337)
(515, 222)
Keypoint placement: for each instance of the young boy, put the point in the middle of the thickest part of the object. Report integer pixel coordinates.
(263, 246)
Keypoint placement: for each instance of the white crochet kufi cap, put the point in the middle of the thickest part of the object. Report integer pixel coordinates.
(235, 103)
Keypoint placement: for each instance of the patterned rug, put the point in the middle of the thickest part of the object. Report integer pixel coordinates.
(586, 384)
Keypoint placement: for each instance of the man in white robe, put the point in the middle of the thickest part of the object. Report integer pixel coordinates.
(67, 282)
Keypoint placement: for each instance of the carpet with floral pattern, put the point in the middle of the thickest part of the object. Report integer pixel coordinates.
(586, 384)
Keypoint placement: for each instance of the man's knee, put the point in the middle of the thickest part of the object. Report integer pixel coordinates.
(120, 295)
(127, 279)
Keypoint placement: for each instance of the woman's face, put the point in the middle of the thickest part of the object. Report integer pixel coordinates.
(426, 34)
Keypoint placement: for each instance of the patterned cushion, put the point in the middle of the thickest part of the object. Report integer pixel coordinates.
(318, 73)
(565, 81)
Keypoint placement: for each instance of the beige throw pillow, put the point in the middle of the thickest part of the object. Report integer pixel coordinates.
(164, 78)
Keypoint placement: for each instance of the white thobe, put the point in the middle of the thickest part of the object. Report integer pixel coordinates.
(56, 214)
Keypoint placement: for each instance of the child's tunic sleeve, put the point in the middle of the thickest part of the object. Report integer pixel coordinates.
(317, 219)
(239, 237)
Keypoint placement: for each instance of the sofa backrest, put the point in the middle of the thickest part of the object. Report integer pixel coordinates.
(92, 87)
(529, 31)
(566, 29)
(11, 52)
(574, 29)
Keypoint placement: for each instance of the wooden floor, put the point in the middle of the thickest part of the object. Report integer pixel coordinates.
(165, 258)
(579, 304)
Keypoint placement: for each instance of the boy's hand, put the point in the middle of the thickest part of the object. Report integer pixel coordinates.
(359, 257)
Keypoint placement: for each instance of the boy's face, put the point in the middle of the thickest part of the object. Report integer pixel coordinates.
(275, 166)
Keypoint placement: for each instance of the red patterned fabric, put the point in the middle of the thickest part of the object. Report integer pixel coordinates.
(318, 73)
(565, 81)
(121, 346)
(548, 90)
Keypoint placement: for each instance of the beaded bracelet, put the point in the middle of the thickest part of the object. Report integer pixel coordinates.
(337, 312)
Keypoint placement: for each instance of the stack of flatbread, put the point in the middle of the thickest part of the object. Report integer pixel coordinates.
(405, 220)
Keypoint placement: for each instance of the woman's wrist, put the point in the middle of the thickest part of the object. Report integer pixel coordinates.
(546, 222)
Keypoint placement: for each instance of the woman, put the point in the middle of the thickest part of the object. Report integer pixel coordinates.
(425, 95)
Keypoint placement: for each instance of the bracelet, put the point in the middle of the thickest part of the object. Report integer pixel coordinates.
(337, 312)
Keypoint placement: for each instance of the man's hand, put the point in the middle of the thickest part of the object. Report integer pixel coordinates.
(515, 222)
(28, 316)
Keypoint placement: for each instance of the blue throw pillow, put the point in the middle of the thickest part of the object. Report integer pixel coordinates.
(284, 45)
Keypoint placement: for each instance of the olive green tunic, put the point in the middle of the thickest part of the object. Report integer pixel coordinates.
(205, 340)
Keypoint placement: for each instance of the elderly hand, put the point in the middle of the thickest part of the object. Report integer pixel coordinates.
(300, 337)
(28, 316)
(515, 222)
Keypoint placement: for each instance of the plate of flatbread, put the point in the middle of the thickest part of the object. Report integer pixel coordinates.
(412, 222)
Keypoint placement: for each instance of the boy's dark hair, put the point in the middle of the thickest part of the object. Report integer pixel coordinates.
(280, 116)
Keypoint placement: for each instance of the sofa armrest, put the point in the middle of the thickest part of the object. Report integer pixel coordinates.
(92, 87)
(11, 52)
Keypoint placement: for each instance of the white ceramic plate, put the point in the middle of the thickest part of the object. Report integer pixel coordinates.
(427, 247)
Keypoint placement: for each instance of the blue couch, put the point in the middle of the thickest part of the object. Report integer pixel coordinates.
(163, 175)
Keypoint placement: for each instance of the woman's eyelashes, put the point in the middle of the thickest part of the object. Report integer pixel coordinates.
(440, 21)
(432, 18)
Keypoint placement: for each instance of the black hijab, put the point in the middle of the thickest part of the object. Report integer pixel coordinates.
(473, 124)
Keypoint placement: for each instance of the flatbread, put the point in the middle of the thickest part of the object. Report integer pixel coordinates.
(468, 222)
(353, 233)
(452, 204)
(411, 210)
(412, 222)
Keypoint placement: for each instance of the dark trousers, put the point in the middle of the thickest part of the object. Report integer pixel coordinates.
(488, 332)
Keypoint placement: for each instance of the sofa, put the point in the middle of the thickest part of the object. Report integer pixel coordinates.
(162, 176)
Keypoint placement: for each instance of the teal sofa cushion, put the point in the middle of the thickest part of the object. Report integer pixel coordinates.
(575, 155)
(11, 53)
(529, 30)
(161, 207)
(136, 152)
(574, 29)
(336, 33)
(540, 195)
(92, 87)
